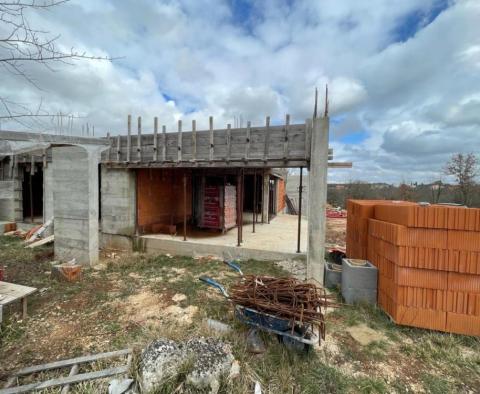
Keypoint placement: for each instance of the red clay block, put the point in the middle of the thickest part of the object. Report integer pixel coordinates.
(463, 282)
(420, 317)
(463, 324)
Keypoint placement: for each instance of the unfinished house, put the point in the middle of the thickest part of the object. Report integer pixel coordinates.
(214, 191)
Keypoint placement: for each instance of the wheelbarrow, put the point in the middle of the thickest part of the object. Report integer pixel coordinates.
(293, 334)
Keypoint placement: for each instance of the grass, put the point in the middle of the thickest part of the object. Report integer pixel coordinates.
(71, 319)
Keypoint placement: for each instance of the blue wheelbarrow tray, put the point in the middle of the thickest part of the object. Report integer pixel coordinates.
(276, 325)
(300, 332)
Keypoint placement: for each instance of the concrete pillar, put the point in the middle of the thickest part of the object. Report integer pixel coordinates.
(75, 202)
(47, 193)
(317, 185)
(7, 201)
(11, 203)
(118, 201)
(265, 196)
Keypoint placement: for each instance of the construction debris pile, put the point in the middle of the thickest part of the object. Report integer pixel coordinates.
(428, 259)
(286, 298)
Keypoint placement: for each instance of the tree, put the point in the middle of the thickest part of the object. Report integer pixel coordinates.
(436, 189)
(464, 168)
(405, 192)
(22, 46)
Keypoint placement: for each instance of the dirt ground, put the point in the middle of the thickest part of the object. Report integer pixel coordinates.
(336, 232)
(127, 301)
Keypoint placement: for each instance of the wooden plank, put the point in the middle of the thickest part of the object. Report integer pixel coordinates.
(129, 137)
(233, 163)
(308, 136)
(346, 164)
(70, 362)
(139, 139)
(285, 143)
(24, 308)
(179, 141)
(267, 138)
(247, 141)
(12, 379)
(10, 292)
(41, 242)
(109, 146)
(73, 371)
(12, 164)
(210, 121)
(118, 148)
(45, 161)
(194, 140)
(66, 380)
(164, 143)
(229, 143)
(155, 139)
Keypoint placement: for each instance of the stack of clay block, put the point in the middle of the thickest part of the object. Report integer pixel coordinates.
(428, 259)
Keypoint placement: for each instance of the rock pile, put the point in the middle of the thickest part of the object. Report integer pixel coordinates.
(164, 358)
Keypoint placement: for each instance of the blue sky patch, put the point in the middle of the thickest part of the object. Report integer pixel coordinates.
(168, 97)
(354, 138)
(242, 13)
(416, 20)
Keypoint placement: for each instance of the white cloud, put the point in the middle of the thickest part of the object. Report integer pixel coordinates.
(416, 100)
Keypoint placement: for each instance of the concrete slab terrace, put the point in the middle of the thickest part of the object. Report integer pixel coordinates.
(274, 241)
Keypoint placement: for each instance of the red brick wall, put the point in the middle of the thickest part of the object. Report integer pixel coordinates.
(280, 195)
(160, 197)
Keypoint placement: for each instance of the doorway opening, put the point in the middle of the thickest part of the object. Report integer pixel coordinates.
(32, 193)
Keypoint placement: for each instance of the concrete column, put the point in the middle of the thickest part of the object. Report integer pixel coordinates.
(317, 185)
(11, 203)
(265, 195)
(118, 201)
(47, 193)
(7, 201)
(75, 202)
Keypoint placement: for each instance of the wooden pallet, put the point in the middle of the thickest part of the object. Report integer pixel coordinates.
(73, 376)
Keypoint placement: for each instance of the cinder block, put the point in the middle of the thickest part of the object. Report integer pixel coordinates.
(356, 295)
(333, 275)
(357, 276)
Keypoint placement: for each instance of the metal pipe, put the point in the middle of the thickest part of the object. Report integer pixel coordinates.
(254, 198)
(299, 230)
(184, 205)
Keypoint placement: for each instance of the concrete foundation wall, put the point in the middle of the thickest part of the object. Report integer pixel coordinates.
(118, 201)
(191, 249)
(75, 197)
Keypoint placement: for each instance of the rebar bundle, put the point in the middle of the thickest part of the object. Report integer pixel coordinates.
(286, 298)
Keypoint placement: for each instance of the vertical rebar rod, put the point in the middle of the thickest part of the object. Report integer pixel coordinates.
(242, 199)
(239, 178)
(254, 198)
(184, 205)
(299, 230)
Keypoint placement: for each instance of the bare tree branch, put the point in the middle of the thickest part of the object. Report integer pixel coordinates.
(22, 45)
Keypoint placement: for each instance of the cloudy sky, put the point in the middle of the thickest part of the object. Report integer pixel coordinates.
(403, 76)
